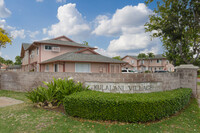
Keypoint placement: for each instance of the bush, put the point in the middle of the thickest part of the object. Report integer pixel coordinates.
(198, 73)
(55, 92)
(138, 107)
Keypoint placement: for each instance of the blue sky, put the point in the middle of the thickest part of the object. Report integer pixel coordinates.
(115, 27)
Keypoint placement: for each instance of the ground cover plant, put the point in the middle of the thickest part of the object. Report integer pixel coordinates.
(54, 92)
(26, 118)
(138, 107)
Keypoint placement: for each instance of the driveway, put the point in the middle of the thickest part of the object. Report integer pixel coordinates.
(6, 101)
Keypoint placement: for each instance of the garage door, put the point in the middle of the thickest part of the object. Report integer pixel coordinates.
(82, 67)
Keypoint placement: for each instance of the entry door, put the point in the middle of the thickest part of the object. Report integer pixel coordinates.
(56, 67)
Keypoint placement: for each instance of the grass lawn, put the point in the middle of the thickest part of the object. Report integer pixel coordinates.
(198, 76)
(26, 118)
(198, 83)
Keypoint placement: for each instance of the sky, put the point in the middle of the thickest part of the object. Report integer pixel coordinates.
(115, 27)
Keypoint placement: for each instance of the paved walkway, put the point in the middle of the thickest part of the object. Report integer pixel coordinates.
(6, 101)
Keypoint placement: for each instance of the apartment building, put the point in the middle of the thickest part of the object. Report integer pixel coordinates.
(62, 54)
(150, 64)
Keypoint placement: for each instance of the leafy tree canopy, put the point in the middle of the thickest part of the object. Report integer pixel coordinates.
(85, 43)
(142, 56)
(18, 60)
(177, 24)
(8, 62)
(4, 38)
(150, 55)
(117, 57)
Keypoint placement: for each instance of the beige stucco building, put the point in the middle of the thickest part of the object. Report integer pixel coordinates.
(62, 54)
(150, 64)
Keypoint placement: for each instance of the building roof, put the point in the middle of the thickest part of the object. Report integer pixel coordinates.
(26, 45)
(60, 42)
(158, 56)
(80, 57)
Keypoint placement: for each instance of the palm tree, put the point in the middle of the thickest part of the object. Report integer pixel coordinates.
(150, 55)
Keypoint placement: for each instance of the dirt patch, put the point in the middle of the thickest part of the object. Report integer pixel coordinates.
(6, 101)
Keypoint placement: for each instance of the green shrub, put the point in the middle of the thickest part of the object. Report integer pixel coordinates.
(198, 72)
(138, 107)
(55, 91)
(147, 71)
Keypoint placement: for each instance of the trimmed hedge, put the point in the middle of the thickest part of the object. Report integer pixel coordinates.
(138, 107)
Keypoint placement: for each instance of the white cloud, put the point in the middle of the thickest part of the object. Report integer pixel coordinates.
(33, 34)
(39, 0)
(128, 25)
(18, 33)
(4, 12)
(128, 19)
(105, 52)
(60, 1)
(44, 30)
(129, 42)
(3, 25)
(71, 23)
(0, 53)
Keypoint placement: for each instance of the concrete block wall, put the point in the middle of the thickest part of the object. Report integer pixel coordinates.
(188, 77)
(24, 81)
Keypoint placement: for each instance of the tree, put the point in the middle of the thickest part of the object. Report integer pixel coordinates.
(85, 43)
(177, 24)
(8, 62)
(117, 57)
(4, 38)
(18, 60)
(150, 55)
(142, 56)
(2, 60)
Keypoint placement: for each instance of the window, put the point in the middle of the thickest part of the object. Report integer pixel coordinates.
(159, 61)
(46, 68)
(132, 61)
(56, 68)
(47, 47)
(82, 67)
(142, 61)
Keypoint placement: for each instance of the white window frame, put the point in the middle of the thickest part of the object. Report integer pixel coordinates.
(83, 63)
(54, 67)
(132, 61)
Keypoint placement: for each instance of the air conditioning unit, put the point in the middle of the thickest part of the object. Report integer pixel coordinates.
(56, 49)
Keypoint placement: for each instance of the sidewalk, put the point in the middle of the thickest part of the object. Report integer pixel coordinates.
(6, 101)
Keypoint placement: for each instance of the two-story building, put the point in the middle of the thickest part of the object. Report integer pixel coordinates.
(62, 54)
(148, 64)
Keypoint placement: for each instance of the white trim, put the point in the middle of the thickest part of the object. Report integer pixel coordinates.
(83, 63)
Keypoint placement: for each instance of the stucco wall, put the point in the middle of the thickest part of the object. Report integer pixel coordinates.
(24, 81)
(48, 54)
